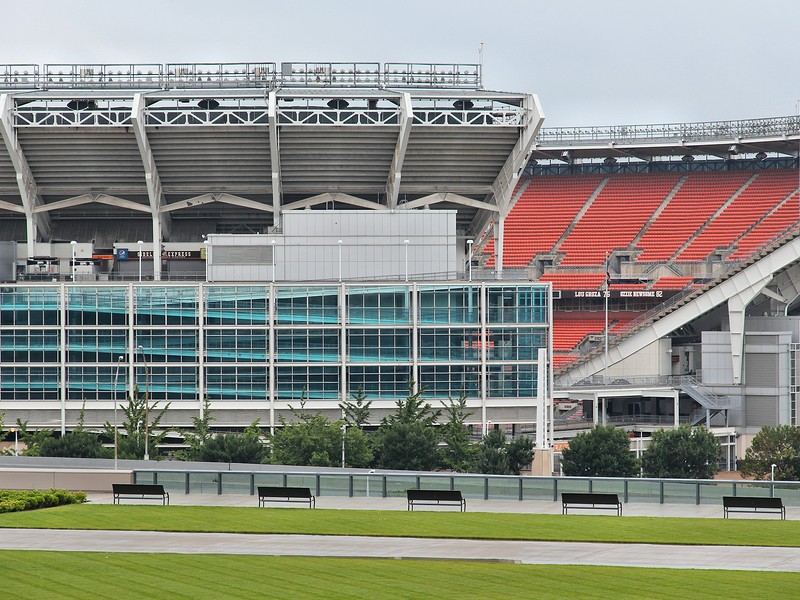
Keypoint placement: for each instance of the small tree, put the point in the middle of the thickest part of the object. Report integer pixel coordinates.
(602, 452)
(408, 438)
(245, 448)
(684, 453)
(33, 440)
(356, 411)
(779, 446)
(201, 434)
(78, 443)
(459, 453)
(136, 412)
(500, 457)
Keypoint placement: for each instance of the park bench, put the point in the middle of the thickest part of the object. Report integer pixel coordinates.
(436, 497)
(753, 504)
(590, 501)
(139, 491)
(285, 494)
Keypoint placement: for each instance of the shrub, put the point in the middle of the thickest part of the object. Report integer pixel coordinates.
(19, 500)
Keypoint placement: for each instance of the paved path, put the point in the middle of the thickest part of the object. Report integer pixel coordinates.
(627, 555)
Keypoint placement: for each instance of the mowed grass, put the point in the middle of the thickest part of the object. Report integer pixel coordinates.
(505, 526)
(41, 575)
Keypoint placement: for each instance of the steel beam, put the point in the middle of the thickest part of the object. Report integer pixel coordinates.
(275, 161)
(221, 198)
(396, 169)
(448, 197)
(334, 197)
(155, 193)
(37, 225)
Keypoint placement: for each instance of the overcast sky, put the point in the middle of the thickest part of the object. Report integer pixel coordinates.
(591, 63)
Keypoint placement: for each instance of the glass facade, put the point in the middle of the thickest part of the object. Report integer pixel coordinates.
(271, 344)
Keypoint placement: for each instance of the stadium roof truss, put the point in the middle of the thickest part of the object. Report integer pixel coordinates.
(99, 153)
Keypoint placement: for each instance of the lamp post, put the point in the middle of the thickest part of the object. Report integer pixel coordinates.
(469, 257)
(273, 260)
(146, 405)
(340, 259)
(116, 433)
(772, 471)
(405, 243)
(141, 245)
(73, 243)
(16, 442)
(344, 436)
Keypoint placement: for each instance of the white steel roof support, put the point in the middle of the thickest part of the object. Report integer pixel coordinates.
(161, 222)
(506, 181)
(275, 161)
(757, 274)
(37, 225)
(221, 198)
(334, 197)
(396, 170)
(737, 305)
(448, 197)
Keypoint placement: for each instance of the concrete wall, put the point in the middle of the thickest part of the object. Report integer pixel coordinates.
(74, 480)
(373, 247)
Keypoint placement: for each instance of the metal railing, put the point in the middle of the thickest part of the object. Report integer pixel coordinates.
(365, 484)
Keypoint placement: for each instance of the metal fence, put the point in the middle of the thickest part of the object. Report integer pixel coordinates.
(484, 487)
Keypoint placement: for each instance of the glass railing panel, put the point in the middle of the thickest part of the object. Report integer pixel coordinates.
(335, 485)
(537, 488)
(203, 482)
(680, 492)
(269, 479)
(644, 490)
(236, 483)
(503, 488)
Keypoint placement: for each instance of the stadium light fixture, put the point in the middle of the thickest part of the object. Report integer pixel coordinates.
(73, 243)
(141, 245)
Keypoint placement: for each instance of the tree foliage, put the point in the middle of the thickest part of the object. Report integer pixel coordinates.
(314, 440)
(200, 435)
(245, 448)
(459, 453)
(602, 452)
(500, 457)
(75, 444)
(684, 453)
(132, 437)
(356, 411)
(779, 446)
(32, 440)
(408, 438)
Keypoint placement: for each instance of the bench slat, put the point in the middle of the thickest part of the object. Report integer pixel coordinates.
(753, 504)
(590, 501)
(436, 498)
(285, 494)
(141, 491)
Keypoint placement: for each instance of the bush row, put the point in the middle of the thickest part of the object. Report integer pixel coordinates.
(17, 500)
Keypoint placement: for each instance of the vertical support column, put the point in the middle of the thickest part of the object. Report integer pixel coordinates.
(595, 410)
(736, 312)
(272, 301)
(484, 374)
(676, 404)
(413, 292)
(541, 400)
(345, 391)
(201, 348)
(62, 309)
(499, 226)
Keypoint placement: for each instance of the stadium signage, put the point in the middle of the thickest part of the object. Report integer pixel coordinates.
(166, 254)
(655, 294)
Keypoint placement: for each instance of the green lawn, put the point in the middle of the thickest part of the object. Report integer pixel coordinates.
(83, 575)
(585, 528)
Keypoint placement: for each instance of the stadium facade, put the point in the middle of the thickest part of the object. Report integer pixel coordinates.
(255, 233)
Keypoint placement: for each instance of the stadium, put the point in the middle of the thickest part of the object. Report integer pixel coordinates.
(258, 234)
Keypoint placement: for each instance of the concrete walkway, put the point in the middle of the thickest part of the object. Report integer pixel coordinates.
(562, 553)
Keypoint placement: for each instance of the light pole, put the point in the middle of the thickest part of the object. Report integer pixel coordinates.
(405, 243)
(141, 245)
(469, 257)
(116, 434)
(16, 443)
(73, 243)
(340, 259)
(146, 405)
(344, 436)
(273, 260)
(772, 471)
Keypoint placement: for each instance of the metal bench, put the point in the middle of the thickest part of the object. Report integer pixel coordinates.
(139, 491)
(590, 501)
(285, 494)
(436, 497)
(753, 504)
